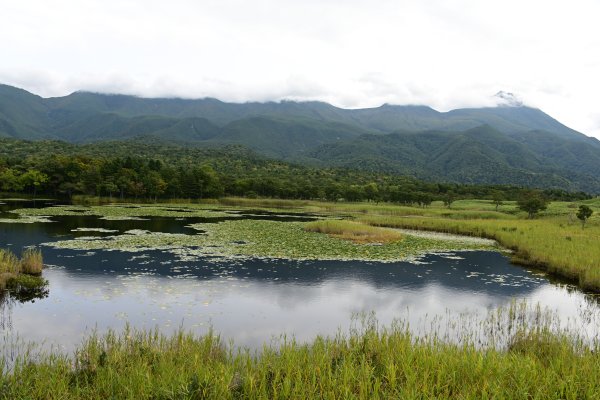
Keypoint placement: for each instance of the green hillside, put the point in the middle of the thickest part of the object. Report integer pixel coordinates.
(499, 145)
(478, 155)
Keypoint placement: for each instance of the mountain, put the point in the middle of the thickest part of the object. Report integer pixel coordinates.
(510, 143)
(478, 155)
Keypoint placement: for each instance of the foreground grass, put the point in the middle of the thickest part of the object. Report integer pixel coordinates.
(367, 363)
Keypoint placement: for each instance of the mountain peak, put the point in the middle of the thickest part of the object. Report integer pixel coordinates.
(507, 99)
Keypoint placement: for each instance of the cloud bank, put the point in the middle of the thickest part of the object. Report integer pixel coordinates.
(349, 53)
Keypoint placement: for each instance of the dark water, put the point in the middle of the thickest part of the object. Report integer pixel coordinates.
(252, 301)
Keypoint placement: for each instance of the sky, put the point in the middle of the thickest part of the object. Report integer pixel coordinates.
(351, 53)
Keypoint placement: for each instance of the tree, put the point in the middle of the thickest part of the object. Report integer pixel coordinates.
(497, 198)
(34, 179)
(353, 193)
(583, 214)
(449, 199)
(532, 203)
(10, 180)
(371, 191)
(154, 184)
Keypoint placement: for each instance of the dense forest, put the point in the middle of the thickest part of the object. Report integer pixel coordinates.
(135, 169)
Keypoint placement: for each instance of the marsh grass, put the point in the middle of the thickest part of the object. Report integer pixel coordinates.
(262, 203)
(15, 273)
(32, 261)
(367, 362)
(9, 267)
(551, 243)
(9, 263)
(354, 231)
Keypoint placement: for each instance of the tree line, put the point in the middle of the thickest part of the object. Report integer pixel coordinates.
(160, 171)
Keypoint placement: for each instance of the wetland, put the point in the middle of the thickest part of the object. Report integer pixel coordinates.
(252, 274)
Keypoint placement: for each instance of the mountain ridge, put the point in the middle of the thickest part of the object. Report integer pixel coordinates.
(509, 144)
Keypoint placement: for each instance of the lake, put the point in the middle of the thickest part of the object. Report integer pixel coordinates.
(254, 301)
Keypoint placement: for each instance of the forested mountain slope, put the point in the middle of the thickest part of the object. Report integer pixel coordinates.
(509, 144)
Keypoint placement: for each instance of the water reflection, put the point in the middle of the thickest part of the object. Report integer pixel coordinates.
(253, 301)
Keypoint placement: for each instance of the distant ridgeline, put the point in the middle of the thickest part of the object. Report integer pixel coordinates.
(135, 169)
(509, 145)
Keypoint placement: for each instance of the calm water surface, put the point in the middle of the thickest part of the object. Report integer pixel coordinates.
(254, 301)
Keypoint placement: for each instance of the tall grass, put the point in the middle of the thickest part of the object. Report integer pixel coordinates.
(9, 263)
(11, 268)
(354, 231)
(368, 362)
(552, 243)
(32, 261)
(262, 203)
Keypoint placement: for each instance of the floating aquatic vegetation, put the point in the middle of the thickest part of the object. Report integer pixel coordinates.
(133, 241)
(26, 219)
(290, 240)
(121, 212)
(248, 238)
(101, 230)
(264, 239)
(123, 218)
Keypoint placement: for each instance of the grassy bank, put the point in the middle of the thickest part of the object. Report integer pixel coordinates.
(536, 362)
(550, 243)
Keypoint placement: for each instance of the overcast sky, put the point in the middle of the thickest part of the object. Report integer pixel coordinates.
(351, 53)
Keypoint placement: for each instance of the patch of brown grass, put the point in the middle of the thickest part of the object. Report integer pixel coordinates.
(32, 262)
(9, 263)
(354, 231)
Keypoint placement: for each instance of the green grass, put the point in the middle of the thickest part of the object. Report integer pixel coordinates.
(535, 362)
(24, 282)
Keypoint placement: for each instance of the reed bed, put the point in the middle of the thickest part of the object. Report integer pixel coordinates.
(536, 361)
(354, 231)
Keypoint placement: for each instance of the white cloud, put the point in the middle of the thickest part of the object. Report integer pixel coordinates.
(350, 53)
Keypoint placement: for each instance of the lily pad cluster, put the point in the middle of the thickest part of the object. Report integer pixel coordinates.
(126, 211)
(245, 238)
